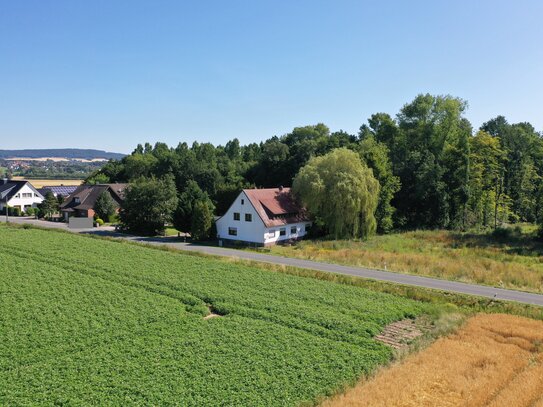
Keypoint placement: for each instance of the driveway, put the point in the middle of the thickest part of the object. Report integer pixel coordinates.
(380, 275)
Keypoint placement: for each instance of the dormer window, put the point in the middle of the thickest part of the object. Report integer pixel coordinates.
(76, 200)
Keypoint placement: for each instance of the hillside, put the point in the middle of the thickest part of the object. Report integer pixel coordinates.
(111, 323)
(70, 153)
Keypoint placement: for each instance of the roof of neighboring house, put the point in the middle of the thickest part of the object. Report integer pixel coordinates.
(63, 190)
(10, 188)
(88, 194)
(276, 206)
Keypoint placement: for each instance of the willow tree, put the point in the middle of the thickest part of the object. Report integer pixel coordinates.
(341, 191)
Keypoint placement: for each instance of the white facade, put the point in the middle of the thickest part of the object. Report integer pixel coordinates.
(243, 223)
(26, 197)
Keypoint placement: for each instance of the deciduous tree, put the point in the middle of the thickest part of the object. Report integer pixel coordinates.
(148, 205)
(339, 189)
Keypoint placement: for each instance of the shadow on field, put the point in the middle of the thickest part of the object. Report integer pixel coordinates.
(515, 243)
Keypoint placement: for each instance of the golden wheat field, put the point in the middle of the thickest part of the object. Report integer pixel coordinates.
(40, 183)
(493, 360)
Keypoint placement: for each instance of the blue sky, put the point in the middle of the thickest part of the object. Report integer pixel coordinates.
(111, 74)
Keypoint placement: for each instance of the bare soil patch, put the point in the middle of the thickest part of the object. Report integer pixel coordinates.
(493, 360)
(212, 313)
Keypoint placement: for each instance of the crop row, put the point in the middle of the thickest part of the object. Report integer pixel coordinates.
(91, 321)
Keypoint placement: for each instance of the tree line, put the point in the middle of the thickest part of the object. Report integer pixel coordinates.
(433, 169)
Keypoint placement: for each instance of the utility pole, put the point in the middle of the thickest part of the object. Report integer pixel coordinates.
(6, 209)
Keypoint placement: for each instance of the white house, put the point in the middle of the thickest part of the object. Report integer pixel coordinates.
(263, 217)
(18, 194)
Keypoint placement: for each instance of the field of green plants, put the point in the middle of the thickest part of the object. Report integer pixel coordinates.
(90, 321)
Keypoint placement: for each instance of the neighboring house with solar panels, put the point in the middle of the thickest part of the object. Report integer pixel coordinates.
(263, 217)
(80, 203)
(18, 194)
(58, 190)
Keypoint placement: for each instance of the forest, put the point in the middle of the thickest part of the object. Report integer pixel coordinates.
(434, 169)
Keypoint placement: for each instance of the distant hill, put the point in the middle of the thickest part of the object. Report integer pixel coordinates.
(70, 153)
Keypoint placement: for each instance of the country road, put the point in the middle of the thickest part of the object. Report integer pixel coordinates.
(380, 275)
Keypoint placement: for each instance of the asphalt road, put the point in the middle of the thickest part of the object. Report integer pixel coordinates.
(406, 279)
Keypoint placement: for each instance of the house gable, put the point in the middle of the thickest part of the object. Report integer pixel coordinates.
(273, 216)
(21, 194)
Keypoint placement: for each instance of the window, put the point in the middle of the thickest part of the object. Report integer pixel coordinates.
(271, 234)
(35, 195)
(307, 227)
(76, 200)
(293, 230)
(27, 195)
(18, 196)
(236, 215)
(282, 232)
(242, 201)
(248, 217)
(233, 231)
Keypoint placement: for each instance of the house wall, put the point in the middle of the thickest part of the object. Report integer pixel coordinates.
(19, 201)
(254, 231)
(247, 231)
(273, 235)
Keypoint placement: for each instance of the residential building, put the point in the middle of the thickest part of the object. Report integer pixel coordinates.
(19, 194)
(58, 190)
(263, 217)
(81, 202)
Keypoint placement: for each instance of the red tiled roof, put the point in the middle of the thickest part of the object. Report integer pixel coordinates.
(276, 206)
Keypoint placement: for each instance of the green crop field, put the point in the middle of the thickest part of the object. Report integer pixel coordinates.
(90, 321)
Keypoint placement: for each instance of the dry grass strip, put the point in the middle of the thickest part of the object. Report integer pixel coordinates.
(493, 360)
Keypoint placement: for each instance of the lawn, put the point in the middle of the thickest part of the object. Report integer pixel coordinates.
(514, 262)
(91, 321)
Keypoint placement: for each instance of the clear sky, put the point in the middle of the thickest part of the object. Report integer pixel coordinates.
(110, 74)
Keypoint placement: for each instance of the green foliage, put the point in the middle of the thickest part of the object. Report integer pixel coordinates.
(341, 190)
(148, 205)
(99, 221)
(376, 155)
(97, 177)
(202, 219)
(184, 213)
(12, 211)
(49, 206)
(433, 172)
(105, 207)
(123, 324)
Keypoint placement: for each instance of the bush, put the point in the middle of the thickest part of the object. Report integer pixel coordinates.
(99, 222)
(503, 233)
(14, 211)
(539, 233)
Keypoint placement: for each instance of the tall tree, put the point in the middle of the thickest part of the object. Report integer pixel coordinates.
(105, 207)
(429, 127)
(341, 191)
(202, 220)
(184, 213)
(49, 206)
(376, 155)
(486, 180)
(148, 205)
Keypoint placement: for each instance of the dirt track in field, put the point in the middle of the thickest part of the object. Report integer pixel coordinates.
(493, 360)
